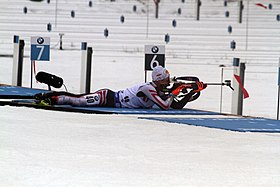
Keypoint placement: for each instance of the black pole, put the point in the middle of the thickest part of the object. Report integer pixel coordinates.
(60, 41)
(198, 9)
(240, 11)
(157, 10)
(145, 76)
(88, 69)
(20, 62)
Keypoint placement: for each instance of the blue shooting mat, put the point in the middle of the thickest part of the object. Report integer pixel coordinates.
(233, 124)
(14, 91)
(142, 111)
(104, 110)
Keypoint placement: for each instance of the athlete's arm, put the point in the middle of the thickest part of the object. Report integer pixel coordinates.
(151, 93)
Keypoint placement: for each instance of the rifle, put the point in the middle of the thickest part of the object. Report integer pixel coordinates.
(192, 80)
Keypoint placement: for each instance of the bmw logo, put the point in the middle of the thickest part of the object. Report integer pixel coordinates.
(40, 40)
(155, 49)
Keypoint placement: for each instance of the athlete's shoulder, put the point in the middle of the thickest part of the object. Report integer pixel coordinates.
(147, 86)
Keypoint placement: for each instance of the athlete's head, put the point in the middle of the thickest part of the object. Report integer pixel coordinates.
(161, 77)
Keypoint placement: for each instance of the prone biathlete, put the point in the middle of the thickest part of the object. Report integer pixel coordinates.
(144, 95)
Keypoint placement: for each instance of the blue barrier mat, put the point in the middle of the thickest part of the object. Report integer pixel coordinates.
(234, 124)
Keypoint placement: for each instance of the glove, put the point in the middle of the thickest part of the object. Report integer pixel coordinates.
(175, 85)
(176, 92)
(199, 86)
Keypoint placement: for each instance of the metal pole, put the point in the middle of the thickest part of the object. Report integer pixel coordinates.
(278, 90)
(147, 25)
(55, 12)
(221, 94)
(278, 103)
(31, 73)
(145, 76)
(247, 25)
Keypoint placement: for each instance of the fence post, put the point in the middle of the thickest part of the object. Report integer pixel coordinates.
(17, 61)
(86, 68)
(237, 95)
(83, 67)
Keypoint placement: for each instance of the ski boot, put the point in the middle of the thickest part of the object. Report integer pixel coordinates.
(42, 96)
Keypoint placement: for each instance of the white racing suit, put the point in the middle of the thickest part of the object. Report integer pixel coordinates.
(141, 96)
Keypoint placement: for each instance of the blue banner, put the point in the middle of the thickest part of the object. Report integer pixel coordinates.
(40, 52)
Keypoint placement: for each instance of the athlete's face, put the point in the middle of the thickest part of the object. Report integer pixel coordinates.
(163, 83)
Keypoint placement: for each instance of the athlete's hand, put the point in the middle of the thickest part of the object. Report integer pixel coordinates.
(199, 86)
(175, 85)
(178, 90)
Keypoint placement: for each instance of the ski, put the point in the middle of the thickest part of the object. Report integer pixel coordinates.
(32, 103)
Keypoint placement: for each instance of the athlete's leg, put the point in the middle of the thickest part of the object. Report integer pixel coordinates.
(102, 97)
(42, 96)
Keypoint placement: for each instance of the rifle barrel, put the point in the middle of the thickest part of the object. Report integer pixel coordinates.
(216, 83)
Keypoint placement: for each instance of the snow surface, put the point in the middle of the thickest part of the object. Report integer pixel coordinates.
(48, 148)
